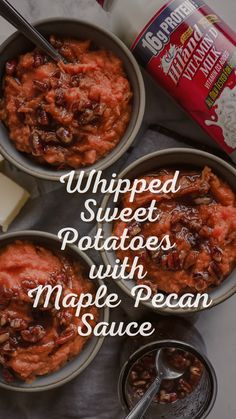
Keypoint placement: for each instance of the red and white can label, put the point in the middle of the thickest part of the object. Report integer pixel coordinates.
(191, 52)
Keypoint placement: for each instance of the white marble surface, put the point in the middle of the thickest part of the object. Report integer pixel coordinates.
(218, 325)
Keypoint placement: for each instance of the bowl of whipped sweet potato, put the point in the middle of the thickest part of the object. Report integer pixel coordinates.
(195, 227)
(82, 113)
(40, 344)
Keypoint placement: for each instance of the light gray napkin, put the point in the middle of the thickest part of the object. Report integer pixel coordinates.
(93, 395)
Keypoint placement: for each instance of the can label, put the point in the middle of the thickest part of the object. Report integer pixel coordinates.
(191, 52)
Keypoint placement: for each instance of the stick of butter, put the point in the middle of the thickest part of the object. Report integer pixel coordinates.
(12, 199)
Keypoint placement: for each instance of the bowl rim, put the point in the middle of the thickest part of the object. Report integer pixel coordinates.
(107, 197)
(105, 317)
(156, 344)
(105, 161)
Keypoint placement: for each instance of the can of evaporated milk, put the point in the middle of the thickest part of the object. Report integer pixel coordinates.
(190, 51)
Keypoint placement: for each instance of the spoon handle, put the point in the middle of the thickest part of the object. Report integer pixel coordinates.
(8, 12)
(141, 407)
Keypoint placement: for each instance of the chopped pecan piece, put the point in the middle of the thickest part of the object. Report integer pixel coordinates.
(18, 324)
(42, 86)
(67, 335)
(33, 334)
(64, 135)
(4, 337)
(3, 319)
(39, 59)
(215, 270)
(59, 97)
(184, 385)
(134, 229)
(76, 79)
(56, 42)
(217, 254)
(11, 66)
(42, 117)
(203, 200)
(173, 261)
(36, 143)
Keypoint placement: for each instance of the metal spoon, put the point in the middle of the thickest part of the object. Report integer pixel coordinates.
(8, 12)
(165, 372)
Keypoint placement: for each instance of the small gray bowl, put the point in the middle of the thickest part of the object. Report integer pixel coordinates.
(78, 364)
(18, 44)
(196, 405)
(152, 162)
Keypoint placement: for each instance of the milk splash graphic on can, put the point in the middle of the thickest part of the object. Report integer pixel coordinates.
(226, 113)
(191, 52)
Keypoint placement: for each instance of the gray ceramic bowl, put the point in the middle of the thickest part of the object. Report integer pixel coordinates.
(174, 157)
(196, 405)
(18, 44)
(74, 367)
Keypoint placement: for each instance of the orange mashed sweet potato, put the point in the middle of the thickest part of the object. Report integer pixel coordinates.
(66, 115)
(200, 219)
(38, 341)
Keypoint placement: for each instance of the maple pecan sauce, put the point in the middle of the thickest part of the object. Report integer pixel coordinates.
(143, 373)
(66, 115)
(200, 219)
(38, 341)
